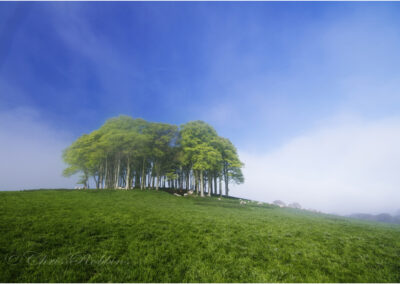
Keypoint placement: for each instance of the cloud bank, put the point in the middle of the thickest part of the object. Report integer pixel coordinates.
(30, 152)
(345, 166)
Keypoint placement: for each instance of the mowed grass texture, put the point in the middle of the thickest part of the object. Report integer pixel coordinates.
(149, 236)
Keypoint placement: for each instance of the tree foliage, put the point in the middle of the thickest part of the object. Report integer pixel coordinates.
(128, 153)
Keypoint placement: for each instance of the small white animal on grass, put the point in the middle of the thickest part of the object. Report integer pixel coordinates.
(176, 194)
(185, 194)
(190, 192)
(242, 202)
(219, 198)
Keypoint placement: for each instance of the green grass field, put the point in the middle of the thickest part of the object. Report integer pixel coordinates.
(148, 236)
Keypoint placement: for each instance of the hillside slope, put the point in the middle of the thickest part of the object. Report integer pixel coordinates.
(148, 236)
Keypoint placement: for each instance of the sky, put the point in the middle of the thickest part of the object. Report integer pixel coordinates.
(308, 92)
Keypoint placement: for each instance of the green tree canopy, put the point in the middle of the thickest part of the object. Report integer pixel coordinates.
(127, 152)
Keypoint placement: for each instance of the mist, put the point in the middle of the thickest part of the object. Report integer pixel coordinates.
(347, 165)
(31, 152)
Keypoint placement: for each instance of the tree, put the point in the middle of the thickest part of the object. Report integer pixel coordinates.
(161, 137)
(126, 151)
(231, 165)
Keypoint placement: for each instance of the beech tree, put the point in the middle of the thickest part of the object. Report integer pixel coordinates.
(128, 153)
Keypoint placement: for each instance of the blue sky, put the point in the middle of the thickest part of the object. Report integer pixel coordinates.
(262, 73)
(253, 70)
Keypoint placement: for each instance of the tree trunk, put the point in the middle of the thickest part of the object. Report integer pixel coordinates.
(106, 176)
(117, 174)
(220, 186)
(100, 175)
(100, 180)
(158, 177)
(97, 181)
(226, 186)
(201, 184)
(215, 185)
(142, 186)
(209, 184)
(137, 178)
(187, 181)
(128, 173)
(196, 182)
(86, 181)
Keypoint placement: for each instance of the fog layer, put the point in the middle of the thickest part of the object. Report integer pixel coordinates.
(31, 151)
(346, 166)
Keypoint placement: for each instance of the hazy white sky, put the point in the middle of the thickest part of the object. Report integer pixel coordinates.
(344, 166)
(30, 152)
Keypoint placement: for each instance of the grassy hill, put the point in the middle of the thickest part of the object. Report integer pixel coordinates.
(148, 236)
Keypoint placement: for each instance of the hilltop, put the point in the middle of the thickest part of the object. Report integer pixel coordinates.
(154, 236)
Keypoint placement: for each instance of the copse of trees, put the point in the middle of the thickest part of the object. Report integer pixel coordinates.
(134, 153)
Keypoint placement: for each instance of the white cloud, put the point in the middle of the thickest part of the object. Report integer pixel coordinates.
(30, 152)
(343, 167)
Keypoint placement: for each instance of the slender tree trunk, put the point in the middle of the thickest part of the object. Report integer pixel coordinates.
(143, 177)
(158, 177)
(226, 185)
(97, 181)
(215, 184)
(128, 173)
(100, 180)
(220, 186)
(106, 175)
(187, 185)
(101, 177)
(86, 181)
(204, 183)
(201, 184)
(111, 171)
(196, 182)
(137, 178)
(117, 174)
(209, 184)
